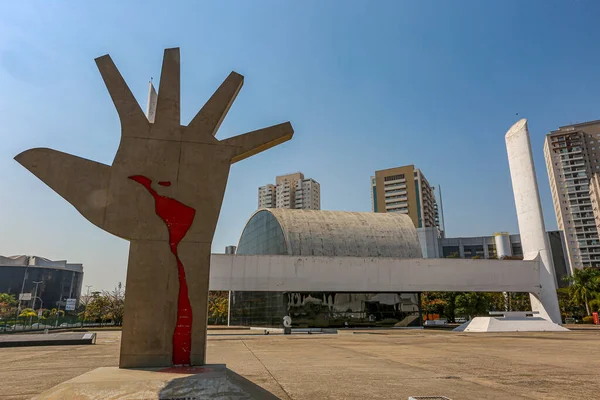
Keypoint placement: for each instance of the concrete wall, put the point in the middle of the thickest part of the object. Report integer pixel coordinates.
(357, 274)
(430, 241)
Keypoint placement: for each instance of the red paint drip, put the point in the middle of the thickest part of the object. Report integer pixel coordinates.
(164, 183)
(178, 217)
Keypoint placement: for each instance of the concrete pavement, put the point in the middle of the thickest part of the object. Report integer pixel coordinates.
(373, 365)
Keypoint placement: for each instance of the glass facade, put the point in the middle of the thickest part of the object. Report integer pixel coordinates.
(325, 309)
(57, 284)
(263, 235)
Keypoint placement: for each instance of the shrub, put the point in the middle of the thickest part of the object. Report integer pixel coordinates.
(588, 320)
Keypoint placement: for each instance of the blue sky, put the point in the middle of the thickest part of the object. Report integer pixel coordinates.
(367, 85)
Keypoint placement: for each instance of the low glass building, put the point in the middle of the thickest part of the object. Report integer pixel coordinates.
(58, 280)
(294, 232)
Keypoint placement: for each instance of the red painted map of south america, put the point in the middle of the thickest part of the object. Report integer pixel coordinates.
(178, 217)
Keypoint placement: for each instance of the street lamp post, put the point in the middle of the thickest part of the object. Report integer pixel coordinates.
(35, 293)
(87, 301)
(58, 313)
(20, 294)
(33, 302)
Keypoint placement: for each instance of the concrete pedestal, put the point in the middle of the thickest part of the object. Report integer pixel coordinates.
(515, 321)
(191, 383)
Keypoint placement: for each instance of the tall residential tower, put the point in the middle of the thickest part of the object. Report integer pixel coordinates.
(573, 158)
(405, 190)
(291, 191)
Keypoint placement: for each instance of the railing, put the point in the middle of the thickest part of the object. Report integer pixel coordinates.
(22, 325)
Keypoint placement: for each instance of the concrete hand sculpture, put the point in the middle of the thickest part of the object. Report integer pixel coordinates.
(163, 192)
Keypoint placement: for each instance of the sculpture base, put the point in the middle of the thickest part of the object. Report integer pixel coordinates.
(510, 322)
(190, 383)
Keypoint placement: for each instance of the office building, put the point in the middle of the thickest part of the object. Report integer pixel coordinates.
(405, 190)
(499, 245)
(291, 191)
(572, 157)
(327, 233)
(58, 280)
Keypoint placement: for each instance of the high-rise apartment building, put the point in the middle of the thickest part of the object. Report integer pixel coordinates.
(405, 190)
(572, 158)
(267, 196)
(291, 191)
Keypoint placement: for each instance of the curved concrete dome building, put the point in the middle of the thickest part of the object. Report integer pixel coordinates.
(279, 231)
(329, 233)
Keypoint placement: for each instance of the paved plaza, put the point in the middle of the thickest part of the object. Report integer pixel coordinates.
(356, 365)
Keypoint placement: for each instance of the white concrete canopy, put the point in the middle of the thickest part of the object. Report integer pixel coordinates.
(358, 274)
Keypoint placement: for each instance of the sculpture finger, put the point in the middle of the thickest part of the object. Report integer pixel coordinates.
(168, 105)
(252, 143)
(211, 115)
(81, 182)
(131, 115)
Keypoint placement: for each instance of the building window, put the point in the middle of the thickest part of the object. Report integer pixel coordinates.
(393, 177)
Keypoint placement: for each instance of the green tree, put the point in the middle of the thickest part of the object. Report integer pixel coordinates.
(218, 303)
(8, 305)
(28, 312)
(519, 301)
(96, 308)
(497, 301)
(472, 304)
(55, 312)
(433, 303)
(568, 308)
(105, 306)
(450, 307)
(585, 285)
(115, 304)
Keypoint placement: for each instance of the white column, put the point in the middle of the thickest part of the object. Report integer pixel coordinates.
(531, 221)
(152, 100)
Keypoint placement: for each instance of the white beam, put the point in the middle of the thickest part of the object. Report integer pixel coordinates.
(357, 274)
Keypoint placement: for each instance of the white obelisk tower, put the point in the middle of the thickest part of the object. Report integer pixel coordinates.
(151, 105)
(531, 220)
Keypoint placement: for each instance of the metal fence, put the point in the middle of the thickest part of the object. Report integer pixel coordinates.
(51, 323)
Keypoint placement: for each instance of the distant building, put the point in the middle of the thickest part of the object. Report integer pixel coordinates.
(405, 190)
(267, 196)
(496, 246)
(230, 249)
(327, 233)
(59, 280)
(572, 158)
(291, 191)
